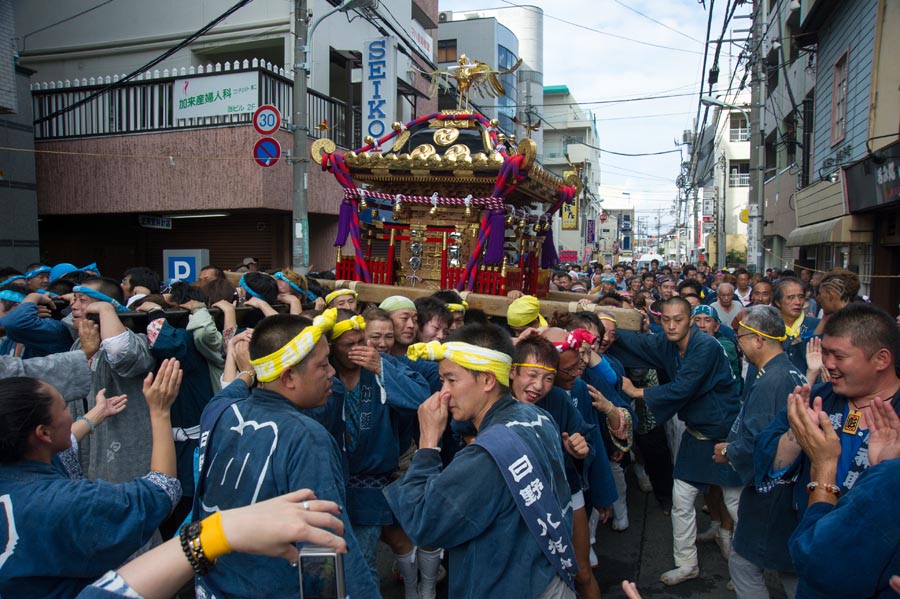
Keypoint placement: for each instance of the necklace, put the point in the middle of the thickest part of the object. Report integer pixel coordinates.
(851, 426)
(852, 423)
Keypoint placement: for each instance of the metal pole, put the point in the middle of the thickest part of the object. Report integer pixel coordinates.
(721, 237)
(755, 257)
(300, 125)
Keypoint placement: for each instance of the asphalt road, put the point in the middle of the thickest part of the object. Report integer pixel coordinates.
(641, 553)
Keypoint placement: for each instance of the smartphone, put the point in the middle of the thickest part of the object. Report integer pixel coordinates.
(321, 573)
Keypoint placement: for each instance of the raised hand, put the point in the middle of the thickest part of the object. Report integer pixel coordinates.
(884, 432)
(160, 391)
(108, 406)
(365, 356)
(89, 334)
(813, 430)
(433, 415)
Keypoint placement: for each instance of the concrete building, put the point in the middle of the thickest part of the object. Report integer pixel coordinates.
(725, 184)
(141, 151)
(527, 24)
(571, 146)
(484, 39)
(18, 196)
(619, 204)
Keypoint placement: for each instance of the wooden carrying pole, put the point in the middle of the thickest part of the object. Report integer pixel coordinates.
(492, 305)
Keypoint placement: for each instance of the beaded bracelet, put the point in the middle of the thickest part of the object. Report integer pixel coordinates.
(827, 487)
(193, 549)
(89, 423)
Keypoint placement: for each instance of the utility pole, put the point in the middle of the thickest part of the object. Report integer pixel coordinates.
(300, 127)
(755, 256)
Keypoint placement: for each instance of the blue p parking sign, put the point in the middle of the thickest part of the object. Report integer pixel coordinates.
(183, 268)
(184, 265)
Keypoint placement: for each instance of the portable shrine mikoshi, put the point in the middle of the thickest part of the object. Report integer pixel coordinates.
(447, 201)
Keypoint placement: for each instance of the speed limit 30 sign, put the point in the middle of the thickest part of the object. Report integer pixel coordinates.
(266, 120)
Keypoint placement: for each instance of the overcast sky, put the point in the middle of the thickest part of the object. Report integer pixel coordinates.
(595, 65)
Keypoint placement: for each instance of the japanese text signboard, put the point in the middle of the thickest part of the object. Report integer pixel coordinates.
(569, 214)
(379, 87)
(216, 95)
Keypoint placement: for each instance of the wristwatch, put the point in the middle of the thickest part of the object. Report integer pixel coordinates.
(724, 451)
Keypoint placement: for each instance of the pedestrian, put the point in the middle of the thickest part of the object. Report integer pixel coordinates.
(703, 392)
(504, 496)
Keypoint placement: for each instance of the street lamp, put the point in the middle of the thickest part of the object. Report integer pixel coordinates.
(710, 101)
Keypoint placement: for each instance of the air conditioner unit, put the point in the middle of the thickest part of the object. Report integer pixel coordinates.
(687, 137)
(445, 16)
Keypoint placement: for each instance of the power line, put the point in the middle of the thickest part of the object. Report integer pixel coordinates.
(598, 148)
(601, 32)
(61, 21)
(183, 44)
(593, 102)
(646, 16)
(643, 116)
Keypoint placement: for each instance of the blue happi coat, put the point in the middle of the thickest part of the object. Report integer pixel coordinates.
(40, 336)
(702, 390)
(364, 421)
(195, 392)
(591, 475)
(261, 447)
(61, 534)
(850, 550)
(467, 508)
(767, 518)
(854, 458)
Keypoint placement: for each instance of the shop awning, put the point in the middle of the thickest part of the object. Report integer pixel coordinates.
(844, 229)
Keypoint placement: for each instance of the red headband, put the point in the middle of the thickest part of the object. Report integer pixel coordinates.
(575, 339)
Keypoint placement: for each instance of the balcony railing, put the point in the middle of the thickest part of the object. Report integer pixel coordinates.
(740, 134)
(146, 104)
(739, 180)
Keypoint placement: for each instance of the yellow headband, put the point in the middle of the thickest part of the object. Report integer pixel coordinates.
(541, 366)
(761, 334)
(339, 292)
(523, 311)
(356, 323)
(466, 355)
(461, 307)
(609, 318)
(269, 368)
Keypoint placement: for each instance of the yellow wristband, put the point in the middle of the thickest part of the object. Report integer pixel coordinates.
(212, 537)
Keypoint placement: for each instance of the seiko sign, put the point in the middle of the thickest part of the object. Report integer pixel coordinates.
(379, 86)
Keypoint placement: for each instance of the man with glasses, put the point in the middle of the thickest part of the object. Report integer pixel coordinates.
(704, 393)
(767, 519)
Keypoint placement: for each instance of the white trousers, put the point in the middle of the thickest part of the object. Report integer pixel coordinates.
(684, 520)
(620, 507)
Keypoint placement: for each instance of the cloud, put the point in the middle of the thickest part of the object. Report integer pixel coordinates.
(600, 67)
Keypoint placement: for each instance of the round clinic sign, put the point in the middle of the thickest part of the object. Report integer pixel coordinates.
(267, 151)
(266, 119)
(603, 217)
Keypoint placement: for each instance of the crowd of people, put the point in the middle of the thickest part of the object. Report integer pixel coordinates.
(162, 434)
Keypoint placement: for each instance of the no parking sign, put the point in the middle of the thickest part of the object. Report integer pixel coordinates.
(267, 151)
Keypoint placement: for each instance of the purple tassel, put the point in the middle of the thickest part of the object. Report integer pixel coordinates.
(344, 220)
(494, 252)
(549, 257)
